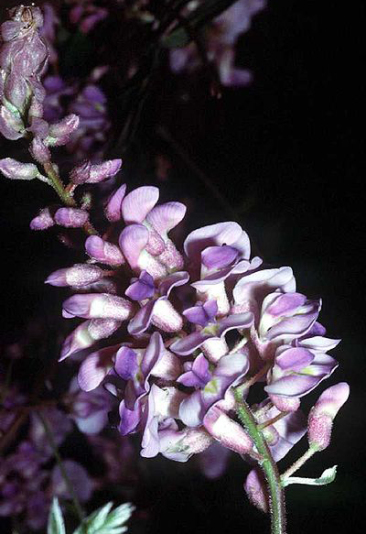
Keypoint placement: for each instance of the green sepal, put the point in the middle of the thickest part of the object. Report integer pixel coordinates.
(326, 478)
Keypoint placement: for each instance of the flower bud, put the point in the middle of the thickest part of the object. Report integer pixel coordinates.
(103, 251)
(214, 349)
(98, 306)
(166, 318)
(86, 334)
(169, 367)
(11, 125)
(61, 131)
(255, 487)
(229, 433)
(181, 445)
(17, 91)
(79, 275)
(43, 220)
(71, 217)
(321, 416)
(39, 151)
(113, 209)
(18, 171)
(285, 404)
(91, 174)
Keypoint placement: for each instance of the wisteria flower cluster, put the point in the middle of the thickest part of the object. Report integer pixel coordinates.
(187, 352)
(176, 338)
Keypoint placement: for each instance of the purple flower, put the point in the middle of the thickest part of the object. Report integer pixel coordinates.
(298, 370)
(197, 373)
(161, 408)
(213, 332)
(91, 135)
(43, 220)
(89, 409)
(203, 313)
(229, 370)
(158, 309)
(145, 242)
(219, 251)
(96, 366)
(229, 234)
(135, 368)
(87, 15)
(22, 486)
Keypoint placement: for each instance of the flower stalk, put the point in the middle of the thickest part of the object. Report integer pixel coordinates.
(268, 466)
(299, 463)
(57, 185)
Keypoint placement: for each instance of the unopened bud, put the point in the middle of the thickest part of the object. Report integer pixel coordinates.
(285, 404)
(60, 132)
(165, 317)
(86, 334)
(181, 445)
(113, 209)
(39, 151)
(98, 306)
(43, 220)
(103, 251)
(17, 90)
(91, 174)
(15, 170)
(71, 217)
(323, 413)
(11, 125)
(255, 487)
(78, 275)
(229, 433)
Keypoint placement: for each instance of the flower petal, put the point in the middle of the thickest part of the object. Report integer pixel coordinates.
(113, 209)
(188, 344)
(137, 204)
(165, 217)
(132, 241)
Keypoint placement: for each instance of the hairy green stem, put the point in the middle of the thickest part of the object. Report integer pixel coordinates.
(58, 186)
(65, 194)
(299, 463)
(268, 466)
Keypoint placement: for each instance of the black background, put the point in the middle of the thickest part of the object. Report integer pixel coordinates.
(286, 155)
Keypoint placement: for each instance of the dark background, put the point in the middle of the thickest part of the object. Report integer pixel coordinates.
(285, 156)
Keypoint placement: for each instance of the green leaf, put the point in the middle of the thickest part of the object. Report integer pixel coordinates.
(326, 478)
(209, 10)
(105, 521)
(56, 523)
